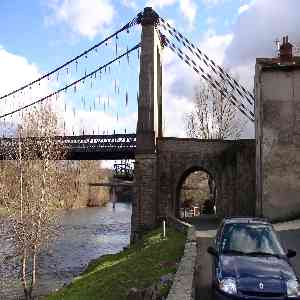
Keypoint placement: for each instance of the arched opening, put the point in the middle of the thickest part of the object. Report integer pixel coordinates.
(196, 194)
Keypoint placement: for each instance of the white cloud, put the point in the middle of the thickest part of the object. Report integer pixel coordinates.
(211, 3)
(215, 45)
(210, 21)
(189, 10)
(254, 34)
(129, 4)
(256, 31)
(160, 3)
(246, 6)
(178, 86)
(173, 116)
(98, 122)
(245, 74)
(179, 81)
(85, 17)
(16, 71)
(243, 8)
(171, 22)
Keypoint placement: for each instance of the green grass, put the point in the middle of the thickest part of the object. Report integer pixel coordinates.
(111, 276)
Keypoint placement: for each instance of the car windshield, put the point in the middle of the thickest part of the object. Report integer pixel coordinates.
(247, 238)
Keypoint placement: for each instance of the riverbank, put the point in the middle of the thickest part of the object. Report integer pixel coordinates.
(84, 235)
(140, 266)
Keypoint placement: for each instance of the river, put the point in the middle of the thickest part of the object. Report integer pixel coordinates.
(86, 233)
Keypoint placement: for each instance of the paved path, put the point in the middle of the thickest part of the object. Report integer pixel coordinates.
(288, 232)
(203, 270)
(205, 232)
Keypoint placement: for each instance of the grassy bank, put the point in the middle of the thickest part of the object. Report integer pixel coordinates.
(111, 276)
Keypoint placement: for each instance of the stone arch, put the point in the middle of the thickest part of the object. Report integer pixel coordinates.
(211, 170)
(159, 176)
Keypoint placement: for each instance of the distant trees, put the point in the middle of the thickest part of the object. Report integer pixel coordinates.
(75, 176)
(199, 189)
(195, 188)
(213, 116)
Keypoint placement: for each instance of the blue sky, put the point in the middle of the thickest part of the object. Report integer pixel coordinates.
(33, 30)
(38, 35)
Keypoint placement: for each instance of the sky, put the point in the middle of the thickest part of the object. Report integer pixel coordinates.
(39, 35)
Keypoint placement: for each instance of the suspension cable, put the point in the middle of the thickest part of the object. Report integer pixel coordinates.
(71, 84)
(133, 22)
(208, 62)
(214, 83)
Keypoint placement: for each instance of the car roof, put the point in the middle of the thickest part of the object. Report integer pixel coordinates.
(252, 220)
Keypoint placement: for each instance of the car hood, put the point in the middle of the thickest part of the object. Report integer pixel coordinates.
(262, 274)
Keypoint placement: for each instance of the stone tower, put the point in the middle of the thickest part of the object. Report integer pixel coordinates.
(149, 125)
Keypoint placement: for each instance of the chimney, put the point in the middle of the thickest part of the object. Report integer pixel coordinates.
(286, 51)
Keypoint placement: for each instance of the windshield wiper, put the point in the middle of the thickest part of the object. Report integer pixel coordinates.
(234, 252)
(260, 253)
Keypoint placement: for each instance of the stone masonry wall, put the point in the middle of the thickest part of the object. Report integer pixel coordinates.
(144, 202)
(278, 135)
(183, 287)
(231, 163)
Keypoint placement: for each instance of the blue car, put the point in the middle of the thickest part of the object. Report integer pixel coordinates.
(250, 263)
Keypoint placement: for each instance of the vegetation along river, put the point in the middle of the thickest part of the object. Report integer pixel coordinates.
(85, 234)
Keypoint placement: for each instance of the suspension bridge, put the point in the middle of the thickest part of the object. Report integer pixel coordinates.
(161, 163)
(82, 147)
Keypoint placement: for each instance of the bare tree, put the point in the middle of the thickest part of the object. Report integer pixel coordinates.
(213, 116)
(31, 198)
(34, 184)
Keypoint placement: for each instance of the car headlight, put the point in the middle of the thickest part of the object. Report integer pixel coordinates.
(293, 288)
(228, 285)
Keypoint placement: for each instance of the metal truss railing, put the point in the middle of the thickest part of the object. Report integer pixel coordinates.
(115, 146)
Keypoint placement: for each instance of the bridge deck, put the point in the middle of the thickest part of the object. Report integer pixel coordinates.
(83, 147)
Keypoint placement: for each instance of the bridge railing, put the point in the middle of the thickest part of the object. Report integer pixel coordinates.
(123, 171)
(115, 146)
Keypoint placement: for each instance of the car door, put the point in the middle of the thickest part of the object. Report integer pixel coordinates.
(215, 259)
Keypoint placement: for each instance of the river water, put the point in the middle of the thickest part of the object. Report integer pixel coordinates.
(86, 234)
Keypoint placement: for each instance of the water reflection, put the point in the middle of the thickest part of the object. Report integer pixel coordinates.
(87, 233)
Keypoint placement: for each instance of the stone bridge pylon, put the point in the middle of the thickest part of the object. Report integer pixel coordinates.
(163, 163)
(149, 126)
